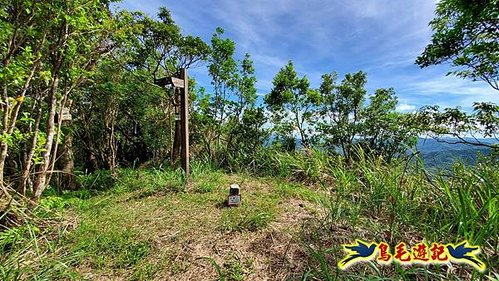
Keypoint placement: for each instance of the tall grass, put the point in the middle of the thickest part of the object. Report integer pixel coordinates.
(37, 243)
(372, 199)
(471, 200)
(400, 201)
(26, 248)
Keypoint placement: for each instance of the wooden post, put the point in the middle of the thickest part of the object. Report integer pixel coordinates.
(177, 139)
(181, 141)
(184, 119)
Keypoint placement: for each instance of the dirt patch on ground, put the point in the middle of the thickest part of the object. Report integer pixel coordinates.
(272, 253)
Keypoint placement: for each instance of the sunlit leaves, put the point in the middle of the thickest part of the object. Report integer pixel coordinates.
(466, 34)
(291, 102)
(484, 121)
(159, 46)
(346, 121)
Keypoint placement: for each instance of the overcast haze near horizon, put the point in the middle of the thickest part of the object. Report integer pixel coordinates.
(380, 37)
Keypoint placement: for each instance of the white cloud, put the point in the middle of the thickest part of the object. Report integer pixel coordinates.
(272, 61)
(404, 107)
(444, 91)
(382, 37)
(455, 86)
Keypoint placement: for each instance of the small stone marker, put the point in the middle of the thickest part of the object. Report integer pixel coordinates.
(234, 198)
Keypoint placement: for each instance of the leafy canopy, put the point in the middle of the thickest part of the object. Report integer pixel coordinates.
(466, 34)
(291, 102)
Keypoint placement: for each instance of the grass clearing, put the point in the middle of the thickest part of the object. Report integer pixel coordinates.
(143, 226)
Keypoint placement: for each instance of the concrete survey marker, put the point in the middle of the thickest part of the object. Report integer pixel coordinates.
(234, 198)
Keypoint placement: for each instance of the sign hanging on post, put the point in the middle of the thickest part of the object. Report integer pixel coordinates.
(180, 82)
(172, 81)
(66, 115)
(176, 82)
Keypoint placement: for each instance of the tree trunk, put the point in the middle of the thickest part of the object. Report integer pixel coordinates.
(29, 157)
(3, 156)
(41, 178)
(3, 144)
(60, 122)
(111, 158)
(67, 180)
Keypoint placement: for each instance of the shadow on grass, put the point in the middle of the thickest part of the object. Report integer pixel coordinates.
(222, 204)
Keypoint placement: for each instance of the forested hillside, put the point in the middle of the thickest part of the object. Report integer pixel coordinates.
(90, 177)
(444, 152)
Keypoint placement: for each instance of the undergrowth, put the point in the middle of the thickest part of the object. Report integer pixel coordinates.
(100, 227)
(402, 202)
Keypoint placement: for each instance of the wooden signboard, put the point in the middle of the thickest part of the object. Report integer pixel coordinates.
(66, 115)
(181, 140)
(179, 83)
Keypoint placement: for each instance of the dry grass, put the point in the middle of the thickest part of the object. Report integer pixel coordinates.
(145, 228)
(187, 232)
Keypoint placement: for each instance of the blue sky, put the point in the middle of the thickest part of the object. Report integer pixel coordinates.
(380, 37)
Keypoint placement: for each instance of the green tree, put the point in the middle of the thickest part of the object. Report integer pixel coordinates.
(124, 86)
(246, 80)
(463, 127)
(223, 71)
(466, 34)
(341, 111)
(23, 38)
(346, 123)
(50, 51)
(291, 103)
(77, 37)
(245, 133)
(386, 132)
(161, 49)
(228, 123)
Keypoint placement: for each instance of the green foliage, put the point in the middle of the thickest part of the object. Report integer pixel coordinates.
(51, 49)
(371, 199)
(100, 180)
(223, 70)
(222, 65)
(149, 180)
(398, 201)
(26, 250)
(102, 65)
(342, 111)
(473, 198)
(159, 47)
(347, 123)
(234, 268)
(323, 269)
(483, 120)
(291, 102)
(137, 116)
(465, 34)
(336, 118)
(227, 125)
(386, 132)
(307, 166)
(237, 268)
(218, 268)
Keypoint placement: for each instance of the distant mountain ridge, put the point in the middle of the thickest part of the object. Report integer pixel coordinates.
(443, 152)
